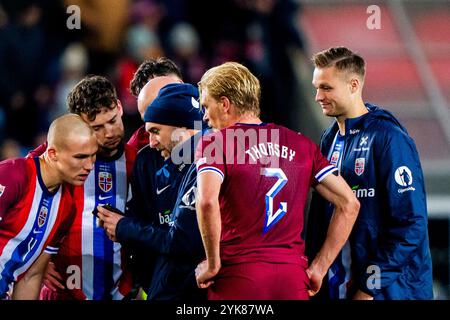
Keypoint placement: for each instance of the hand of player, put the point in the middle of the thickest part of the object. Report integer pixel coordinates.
(360, 295)
(52, 279)
(204, 275)
(109, 220)
(315, 281)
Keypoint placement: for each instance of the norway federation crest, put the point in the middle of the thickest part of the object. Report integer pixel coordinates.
(105, 181)
(42, 217)
(359, 166)
(334, 158)
(2, 189)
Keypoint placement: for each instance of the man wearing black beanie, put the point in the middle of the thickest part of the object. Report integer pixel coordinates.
(173, 116)
(174, 123)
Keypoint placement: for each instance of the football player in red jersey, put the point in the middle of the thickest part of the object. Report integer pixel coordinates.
(253, 180)
(37, 203)
(89, 265)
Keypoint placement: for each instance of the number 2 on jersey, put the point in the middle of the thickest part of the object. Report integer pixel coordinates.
(272, 218)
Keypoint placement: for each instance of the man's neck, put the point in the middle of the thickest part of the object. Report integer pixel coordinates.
(50, 179)
(247, 118)
(353, 112)
(110, 153)
(106, 153)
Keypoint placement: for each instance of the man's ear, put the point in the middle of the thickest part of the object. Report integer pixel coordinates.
(355, 84)
(52, 154)
(180, 134)
(226, 104)
(119, 107)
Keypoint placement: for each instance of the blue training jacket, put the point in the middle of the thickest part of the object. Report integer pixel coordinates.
(166, 239)
(381, 164)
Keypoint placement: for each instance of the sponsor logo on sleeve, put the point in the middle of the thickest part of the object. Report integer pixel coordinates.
(334, 158)
(404, 177)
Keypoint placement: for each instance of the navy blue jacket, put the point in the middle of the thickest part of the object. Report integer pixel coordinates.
(172, 249)
(181, 246)
(381, 164)
(150, 172)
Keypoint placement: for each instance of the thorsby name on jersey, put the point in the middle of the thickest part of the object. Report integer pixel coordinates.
(260, 146)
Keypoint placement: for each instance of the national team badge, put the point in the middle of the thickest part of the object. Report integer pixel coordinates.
(42, 216)
(105, 181)
(334, 158)
(359, 166)
(2, 189)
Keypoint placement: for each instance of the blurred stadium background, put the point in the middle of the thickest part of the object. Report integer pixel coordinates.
(408, 67)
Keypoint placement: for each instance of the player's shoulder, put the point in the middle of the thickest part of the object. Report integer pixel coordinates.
(130, 153)
(15, 162)
(130, 149)
(15, 175)
(294, 136)
(139, 139)
(148, 157)
(380, 124)
(386, 131)
(216, 138)
(15, 167)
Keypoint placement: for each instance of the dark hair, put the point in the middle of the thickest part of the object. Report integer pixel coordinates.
(150, 69)
(90, 95)
(342, 58)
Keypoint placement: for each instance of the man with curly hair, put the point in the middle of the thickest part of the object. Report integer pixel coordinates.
(150, 69)
(89, 265)
(163, 68)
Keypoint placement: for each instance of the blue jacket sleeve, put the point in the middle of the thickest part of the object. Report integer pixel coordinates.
(181, 237)
(140, 207)
(404, 213)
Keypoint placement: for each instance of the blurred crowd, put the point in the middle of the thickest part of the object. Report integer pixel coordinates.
(41, 58)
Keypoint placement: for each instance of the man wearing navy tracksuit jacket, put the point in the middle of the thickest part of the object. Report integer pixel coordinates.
(180, 246)
(169, 246)
(387, 255)
(162, 226)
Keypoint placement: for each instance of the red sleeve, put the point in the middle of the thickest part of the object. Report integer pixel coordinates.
(13, 179)
(38, 151)
(210, 155)
(139, 139)
(130, 156)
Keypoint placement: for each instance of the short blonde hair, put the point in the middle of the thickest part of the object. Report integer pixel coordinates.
(237, 83)
(342, 58)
